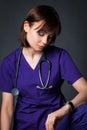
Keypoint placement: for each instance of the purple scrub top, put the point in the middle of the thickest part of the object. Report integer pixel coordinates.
(35, 104)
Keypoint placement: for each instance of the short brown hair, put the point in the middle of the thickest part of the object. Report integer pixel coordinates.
(38, 13)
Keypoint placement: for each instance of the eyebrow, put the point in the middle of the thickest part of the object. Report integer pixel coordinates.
(46, 32)
(40, 27)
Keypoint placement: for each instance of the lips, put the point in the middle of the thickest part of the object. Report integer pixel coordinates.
(41, 47)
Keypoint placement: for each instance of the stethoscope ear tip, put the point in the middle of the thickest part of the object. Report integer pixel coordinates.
(44, 87)
(51, 86)
(38, 87)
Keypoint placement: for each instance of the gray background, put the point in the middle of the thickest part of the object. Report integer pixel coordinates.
(73, 15)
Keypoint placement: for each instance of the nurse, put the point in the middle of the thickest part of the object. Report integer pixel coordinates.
(41, 104)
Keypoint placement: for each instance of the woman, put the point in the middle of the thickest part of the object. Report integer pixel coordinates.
(42, 69)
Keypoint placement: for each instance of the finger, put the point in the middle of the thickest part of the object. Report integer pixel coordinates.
(49, 125)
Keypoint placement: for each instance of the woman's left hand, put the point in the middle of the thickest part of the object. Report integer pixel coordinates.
(50, 122)
(55, 117)
(52, 119)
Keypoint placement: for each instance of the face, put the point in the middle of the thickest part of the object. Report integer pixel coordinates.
(37, 38)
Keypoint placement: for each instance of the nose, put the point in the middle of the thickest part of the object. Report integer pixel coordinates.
(45, 40)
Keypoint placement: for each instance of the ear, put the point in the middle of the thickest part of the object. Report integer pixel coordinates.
(26, 26)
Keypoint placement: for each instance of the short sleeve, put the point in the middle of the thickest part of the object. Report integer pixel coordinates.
(69, 71)
(6, 77)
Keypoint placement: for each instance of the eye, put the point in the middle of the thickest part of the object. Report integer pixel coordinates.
(51, 36)
(41, 32)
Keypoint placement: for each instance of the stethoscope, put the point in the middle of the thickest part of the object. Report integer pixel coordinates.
(15, 90)
(44, 86)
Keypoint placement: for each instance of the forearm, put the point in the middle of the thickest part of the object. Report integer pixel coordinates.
(6, 111)
(81, 97)
(78, 100)
(6, 119)
(56, 116)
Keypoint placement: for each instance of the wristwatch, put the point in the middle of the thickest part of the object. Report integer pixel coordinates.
(71, 104)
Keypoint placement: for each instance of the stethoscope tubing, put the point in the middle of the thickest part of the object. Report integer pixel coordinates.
(15, 90)
(44, 86)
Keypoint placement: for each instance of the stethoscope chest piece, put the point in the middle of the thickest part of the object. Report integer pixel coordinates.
(15, 92)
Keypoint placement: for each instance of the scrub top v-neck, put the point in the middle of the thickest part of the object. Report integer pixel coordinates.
(35, 104)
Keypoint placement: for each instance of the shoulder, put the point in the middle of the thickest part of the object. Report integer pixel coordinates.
(54, 50)
(10, 60)
(12, 56)
(58, 54)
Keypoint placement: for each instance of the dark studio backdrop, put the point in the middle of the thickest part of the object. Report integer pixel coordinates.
(73, 15)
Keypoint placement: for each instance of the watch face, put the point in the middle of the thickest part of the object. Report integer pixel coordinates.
(71, 104)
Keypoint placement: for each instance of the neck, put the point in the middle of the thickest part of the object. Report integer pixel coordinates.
(32, 53)
(31, 56)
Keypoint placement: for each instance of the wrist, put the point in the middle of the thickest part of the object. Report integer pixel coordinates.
(68, 107)
(70, 104)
